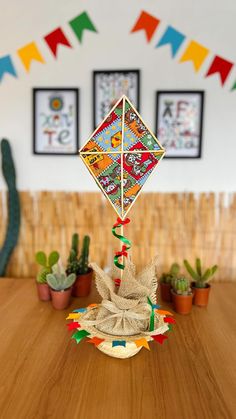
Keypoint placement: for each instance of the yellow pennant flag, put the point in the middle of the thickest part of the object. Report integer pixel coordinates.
(142, 342)
(29, 53)
(196, 53)
(73, 316)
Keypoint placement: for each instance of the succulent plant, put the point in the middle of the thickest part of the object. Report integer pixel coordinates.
(78, 264)
(167, 278)
(198, 276)
(46, 264)
(181, 286)
(58, 280)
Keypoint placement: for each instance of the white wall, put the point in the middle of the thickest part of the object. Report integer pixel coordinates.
(210, 22)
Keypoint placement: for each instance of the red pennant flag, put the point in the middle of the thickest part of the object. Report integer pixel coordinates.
(73, 325)
(169, 320)
(159, 338)
(56, 38)
(221, 66)
(148, 23)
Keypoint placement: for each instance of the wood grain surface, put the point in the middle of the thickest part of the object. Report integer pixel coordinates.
(44, 374)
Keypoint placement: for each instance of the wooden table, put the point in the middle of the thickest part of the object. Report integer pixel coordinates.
(44, 374)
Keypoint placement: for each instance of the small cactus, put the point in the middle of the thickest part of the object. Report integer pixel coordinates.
(198, 276)
(59, 280)
(181, 286)
(46, 264)
(78, 264)
(167, 278)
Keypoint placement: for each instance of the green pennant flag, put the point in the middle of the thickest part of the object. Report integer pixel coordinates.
(80, 23)
(170, 327)
(79, 335)
(234, 86)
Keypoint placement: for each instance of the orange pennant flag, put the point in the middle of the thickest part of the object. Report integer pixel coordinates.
(92, 305)
(147, 23)
(29, 53)
(165, 312)
(142, 342)
(196, 53)
(96, 341)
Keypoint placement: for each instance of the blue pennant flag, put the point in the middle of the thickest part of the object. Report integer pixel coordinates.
(80, 310)
(118, 343)
(173, 37)
(6, 66)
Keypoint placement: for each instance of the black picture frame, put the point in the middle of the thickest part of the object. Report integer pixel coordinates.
(37, 90)
(96, 73)
(201, 95)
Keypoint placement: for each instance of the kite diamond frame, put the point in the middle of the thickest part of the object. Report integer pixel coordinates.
(157, 153)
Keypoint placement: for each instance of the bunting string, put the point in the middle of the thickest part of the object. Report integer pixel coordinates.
(30, 52)
(193, 51)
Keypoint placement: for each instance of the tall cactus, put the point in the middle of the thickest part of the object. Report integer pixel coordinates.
(13, 226)
(84, 255)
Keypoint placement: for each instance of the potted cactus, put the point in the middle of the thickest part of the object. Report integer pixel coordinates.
(166, 280)
(182, 295)
(46, 268)
(79, 266)
(61, 286)
(201, 288)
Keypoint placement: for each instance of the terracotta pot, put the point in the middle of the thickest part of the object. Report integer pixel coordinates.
(82, 285)
(201, 295)
(182, 303)
(61, 299)
(165, 292)
(43, 291)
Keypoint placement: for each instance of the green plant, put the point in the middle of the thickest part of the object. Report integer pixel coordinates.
(198, 276)
(181, 286)
(59, 280)
(78, 264)
(46, 263)
(13, 226)
(167, 278)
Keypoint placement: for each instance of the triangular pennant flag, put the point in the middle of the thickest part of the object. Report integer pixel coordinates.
(142, 342)
(172, 37)
(169, 320)
(165, 312)
(30, 53)
(118, 343)
(6, 66)
(79, 310)
(81, 23)
(79, 335)
(56, 38)
(92, 305)
(234, 86)
(196, 53)
(221, 66)
(95, 340)
(73, 316)
(147, 23)
(170, 327)
(159, 338)
(73, 325)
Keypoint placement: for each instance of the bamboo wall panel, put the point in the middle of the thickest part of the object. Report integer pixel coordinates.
(174, 226)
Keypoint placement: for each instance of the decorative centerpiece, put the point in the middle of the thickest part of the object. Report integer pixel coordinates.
(121, 154)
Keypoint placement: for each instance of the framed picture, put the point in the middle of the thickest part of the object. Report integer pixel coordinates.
(55, 121)
(179, 116)
(109, 86)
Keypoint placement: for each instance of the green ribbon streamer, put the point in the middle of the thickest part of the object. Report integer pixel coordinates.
(79, 335)
(152, 316)
(124, 240)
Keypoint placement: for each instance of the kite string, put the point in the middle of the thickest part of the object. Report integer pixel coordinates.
(127, 243)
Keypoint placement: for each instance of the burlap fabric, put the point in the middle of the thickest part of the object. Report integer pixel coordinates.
(124, 310)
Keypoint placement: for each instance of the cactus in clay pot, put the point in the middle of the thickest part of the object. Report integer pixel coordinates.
(46, 264)
(181, 286)
(58, 280)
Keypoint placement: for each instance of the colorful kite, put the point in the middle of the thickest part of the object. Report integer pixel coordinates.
(121, 154)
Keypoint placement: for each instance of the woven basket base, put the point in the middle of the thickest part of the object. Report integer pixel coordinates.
(119, 351)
